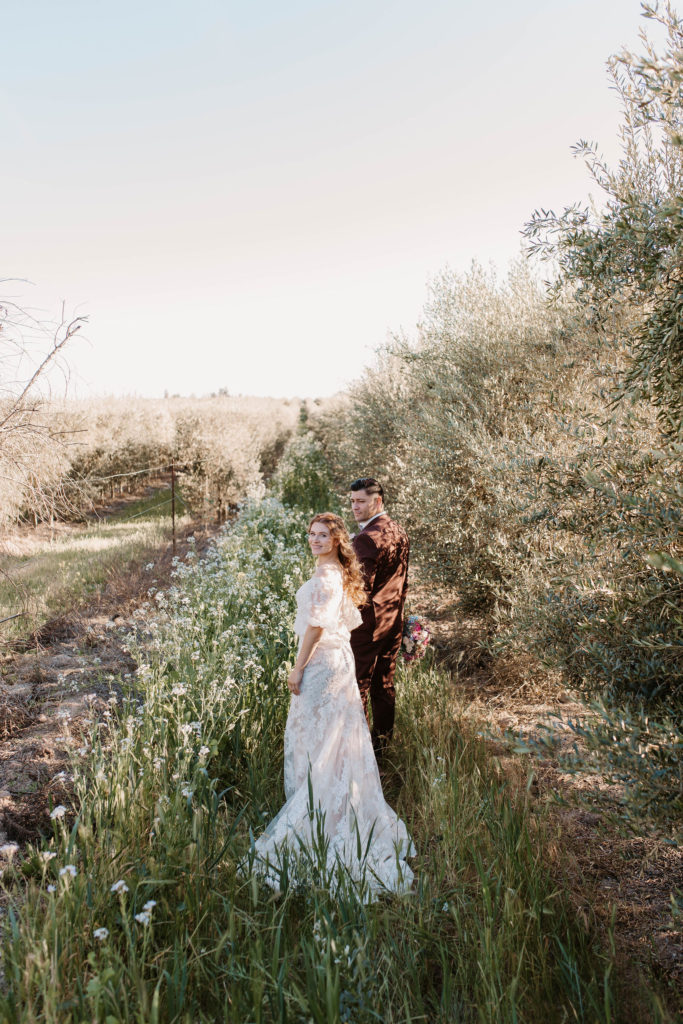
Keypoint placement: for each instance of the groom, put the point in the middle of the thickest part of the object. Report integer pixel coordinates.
(382, 547)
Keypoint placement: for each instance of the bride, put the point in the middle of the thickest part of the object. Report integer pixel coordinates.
(336, 825)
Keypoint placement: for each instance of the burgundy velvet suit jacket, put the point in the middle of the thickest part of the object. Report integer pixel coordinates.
(383, 550)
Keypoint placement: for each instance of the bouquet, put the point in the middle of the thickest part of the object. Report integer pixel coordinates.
(415, 638)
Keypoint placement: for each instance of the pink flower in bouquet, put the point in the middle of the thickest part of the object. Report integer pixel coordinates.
(415, 639)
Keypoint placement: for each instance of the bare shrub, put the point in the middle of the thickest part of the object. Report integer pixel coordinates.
(33, 448)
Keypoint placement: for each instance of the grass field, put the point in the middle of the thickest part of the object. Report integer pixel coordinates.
(45, 571)
(135, 910)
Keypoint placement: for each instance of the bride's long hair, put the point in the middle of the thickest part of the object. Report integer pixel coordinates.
(352, 574)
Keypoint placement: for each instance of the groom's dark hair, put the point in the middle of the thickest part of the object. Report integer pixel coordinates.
(368, 484)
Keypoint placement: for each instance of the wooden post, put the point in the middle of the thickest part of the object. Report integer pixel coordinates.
(173, 501)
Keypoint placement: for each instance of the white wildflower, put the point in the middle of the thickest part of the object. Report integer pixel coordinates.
(119, 886)
(101, 934)
(58, 812)
(69, 869)
(52, 888)
(143, 917)
(48, 855)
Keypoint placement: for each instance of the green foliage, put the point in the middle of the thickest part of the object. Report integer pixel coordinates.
(612, 612)
(640, 753)
(550, 510)
(626, 261)
(431, 418)
(524, 483)
(639, 757)
(303, 480)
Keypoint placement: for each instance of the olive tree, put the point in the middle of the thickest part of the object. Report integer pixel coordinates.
(626, 259)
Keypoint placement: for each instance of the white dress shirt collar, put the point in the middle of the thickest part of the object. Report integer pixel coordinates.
(372, 519)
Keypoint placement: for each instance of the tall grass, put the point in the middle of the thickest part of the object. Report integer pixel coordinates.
(135, 910)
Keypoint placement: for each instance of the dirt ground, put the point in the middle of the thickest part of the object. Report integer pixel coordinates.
(51, 691)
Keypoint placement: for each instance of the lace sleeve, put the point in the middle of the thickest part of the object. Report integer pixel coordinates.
(325, 601)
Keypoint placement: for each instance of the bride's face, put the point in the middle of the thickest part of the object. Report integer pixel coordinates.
(320, 539)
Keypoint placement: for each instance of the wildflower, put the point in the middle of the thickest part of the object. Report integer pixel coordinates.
(58, 812)
(9, 849)
(149, 566)
(149, 905)
(203, 751)
(69, 869)
(52, 888)
(48, 855)
(101, 934)
(144, 917)
(186, 791)
(119, 886)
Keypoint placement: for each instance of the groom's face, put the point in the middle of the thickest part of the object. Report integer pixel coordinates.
(364, 506)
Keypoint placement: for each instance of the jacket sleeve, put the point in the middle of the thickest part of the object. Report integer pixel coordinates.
(368, 555)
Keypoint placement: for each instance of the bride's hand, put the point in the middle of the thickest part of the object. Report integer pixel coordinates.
(294, 680)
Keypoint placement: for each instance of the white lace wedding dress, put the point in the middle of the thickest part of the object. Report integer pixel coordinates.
(348, 832)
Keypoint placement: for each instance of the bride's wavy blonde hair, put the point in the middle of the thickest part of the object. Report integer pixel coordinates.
(352, 574)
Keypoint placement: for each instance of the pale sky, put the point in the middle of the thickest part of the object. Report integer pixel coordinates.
(252, 195)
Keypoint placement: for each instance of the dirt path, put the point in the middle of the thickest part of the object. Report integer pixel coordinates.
(50, 693)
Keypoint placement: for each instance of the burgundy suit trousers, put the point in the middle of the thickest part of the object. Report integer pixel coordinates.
(375, 667)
